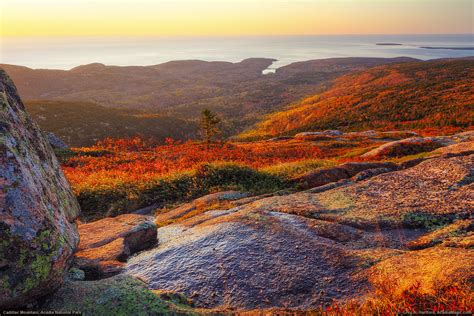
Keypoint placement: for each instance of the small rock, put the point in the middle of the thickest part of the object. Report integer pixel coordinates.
(314, 136)
(280, 138)
(106, 243)
(201, 202)
(56, 142)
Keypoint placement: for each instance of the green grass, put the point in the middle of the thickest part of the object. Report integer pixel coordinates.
(357, 152)
(292, 170)
(120, 295)
(411, 157)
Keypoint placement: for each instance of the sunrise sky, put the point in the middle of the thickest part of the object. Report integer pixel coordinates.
(233, 17)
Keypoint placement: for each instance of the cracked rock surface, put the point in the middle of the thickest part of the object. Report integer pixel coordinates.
(306, 249)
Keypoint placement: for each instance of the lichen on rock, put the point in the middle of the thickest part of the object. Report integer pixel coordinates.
(37, 208)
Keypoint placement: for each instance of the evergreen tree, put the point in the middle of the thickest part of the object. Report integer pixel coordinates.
(209, 125)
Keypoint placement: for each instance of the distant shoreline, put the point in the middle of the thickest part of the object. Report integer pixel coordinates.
(67, 53)
(451, 48)
(428, 47)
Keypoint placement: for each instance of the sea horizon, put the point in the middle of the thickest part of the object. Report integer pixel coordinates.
(64, 53)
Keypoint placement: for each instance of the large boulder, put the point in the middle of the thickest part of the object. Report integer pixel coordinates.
(37, 208)
(409, 146)
(345, 171)
(244, 259)
(106, 244)
(432, 193)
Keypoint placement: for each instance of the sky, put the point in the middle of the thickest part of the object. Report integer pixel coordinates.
(233, 17)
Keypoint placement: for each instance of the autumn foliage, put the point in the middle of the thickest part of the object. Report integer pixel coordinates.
(455, 298)
(121, 175)
(435, 94)
(111, 162)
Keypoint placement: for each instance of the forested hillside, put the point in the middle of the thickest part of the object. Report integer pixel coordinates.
(238, 92)
(413, 95)
(84, 123)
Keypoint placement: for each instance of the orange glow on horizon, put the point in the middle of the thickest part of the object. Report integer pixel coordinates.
(233, 17)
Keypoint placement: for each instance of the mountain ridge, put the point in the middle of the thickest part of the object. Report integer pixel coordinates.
(238, 92)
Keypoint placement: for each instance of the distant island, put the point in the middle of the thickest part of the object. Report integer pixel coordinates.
(428, 47)
(452, 48)
(389, 44)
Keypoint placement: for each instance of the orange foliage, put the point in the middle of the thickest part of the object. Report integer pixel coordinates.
(456, 298)
(120, 161)
(437, 94)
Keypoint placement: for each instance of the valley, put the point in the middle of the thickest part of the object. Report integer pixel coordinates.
(179, 90)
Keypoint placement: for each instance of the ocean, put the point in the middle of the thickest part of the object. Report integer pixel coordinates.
(66, 53)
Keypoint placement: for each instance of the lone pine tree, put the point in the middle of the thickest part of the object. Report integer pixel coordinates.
(209, 125)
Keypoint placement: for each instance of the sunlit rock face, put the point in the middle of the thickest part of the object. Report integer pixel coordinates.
(247, 259)
(107, 243)
(306, 249)
(37, 208)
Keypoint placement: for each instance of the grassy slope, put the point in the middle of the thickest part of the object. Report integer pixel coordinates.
(410, 95)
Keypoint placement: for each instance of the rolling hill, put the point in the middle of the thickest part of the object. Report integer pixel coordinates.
(82, 123)
(238, 92)
(415, 95)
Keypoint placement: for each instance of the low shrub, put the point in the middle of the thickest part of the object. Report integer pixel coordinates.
(64, 155)
(426, 220)
(228, 174)
(386, 300)
(207, 178)
(94, 152)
